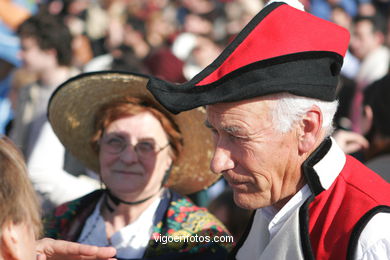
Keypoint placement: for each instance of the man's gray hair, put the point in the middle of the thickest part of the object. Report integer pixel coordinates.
(290, 108)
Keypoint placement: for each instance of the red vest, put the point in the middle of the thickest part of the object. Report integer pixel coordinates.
(331, 220)
(338, 214)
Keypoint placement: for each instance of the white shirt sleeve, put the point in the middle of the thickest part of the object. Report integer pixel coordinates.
(46, 171)
(374, 241)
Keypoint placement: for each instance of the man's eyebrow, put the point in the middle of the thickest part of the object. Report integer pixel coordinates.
(228, 129)
(232, 129)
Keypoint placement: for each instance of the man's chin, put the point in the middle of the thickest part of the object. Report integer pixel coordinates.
(248, 200)
(242, 200)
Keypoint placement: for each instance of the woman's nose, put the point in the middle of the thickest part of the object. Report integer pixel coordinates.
(129, 155)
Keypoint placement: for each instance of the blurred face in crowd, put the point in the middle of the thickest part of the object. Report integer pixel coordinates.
(364, 39)
(205, 51)
(134, 156)
(34, 58)
(197, 25)
(341, 17)
(260, 164)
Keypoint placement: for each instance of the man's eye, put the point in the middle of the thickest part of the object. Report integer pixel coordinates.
(214, 134)
(236, 138)
(213, 131)
(233, 137)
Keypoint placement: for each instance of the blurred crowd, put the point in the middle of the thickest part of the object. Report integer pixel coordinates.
(42, 44)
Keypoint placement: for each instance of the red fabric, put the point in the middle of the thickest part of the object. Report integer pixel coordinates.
(163, 64)
(335, 211)
(272, 38)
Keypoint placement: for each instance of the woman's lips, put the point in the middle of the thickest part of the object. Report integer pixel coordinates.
(124, 172)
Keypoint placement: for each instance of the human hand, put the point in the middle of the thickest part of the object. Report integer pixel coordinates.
(51, 249)
(349, 141)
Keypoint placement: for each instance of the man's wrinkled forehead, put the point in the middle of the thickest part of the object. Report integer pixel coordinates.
(256, 103)
(240, 110)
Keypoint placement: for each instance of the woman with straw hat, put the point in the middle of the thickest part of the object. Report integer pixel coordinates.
(144, 155)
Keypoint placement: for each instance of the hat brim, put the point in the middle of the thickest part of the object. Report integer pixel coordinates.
(74, 104)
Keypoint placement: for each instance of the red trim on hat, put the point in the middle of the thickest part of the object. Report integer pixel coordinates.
(272, 37)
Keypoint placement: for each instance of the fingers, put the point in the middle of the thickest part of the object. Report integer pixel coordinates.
(44, 246)
(350, 141)
(60, 249)
(85, 250)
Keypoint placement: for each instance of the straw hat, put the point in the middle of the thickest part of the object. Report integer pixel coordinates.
(72, 110)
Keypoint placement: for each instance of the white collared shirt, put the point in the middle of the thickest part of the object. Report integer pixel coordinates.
(130, 241)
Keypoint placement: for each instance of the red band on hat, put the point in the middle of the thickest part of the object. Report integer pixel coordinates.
(272, 38)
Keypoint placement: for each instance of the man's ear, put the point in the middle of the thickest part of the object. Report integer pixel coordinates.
(10, 241)
(309, 130)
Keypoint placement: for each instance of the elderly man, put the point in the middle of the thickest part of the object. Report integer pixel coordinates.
(270, 100)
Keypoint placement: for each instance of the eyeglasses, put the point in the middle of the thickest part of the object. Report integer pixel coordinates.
(116, 145)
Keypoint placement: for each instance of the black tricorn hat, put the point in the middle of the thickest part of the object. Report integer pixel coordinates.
(282, 49)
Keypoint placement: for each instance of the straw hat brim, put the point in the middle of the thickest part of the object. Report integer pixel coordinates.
(74, 104)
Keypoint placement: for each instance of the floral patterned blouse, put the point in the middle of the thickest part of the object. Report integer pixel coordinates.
(185, 231)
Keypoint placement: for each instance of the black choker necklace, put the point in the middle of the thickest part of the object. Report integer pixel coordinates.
(117, 200)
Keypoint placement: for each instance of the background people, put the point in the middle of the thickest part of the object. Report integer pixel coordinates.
(376, 126)
(47, 52)
(12, 14)
(372, 145)
(368, 46)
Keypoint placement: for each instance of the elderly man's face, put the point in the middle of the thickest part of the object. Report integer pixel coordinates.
(260, 164)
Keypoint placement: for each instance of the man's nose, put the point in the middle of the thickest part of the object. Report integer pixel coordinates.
(222, 160)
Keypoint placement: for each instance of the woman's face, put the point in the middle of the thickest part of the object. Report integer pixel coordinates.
(134, 156)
